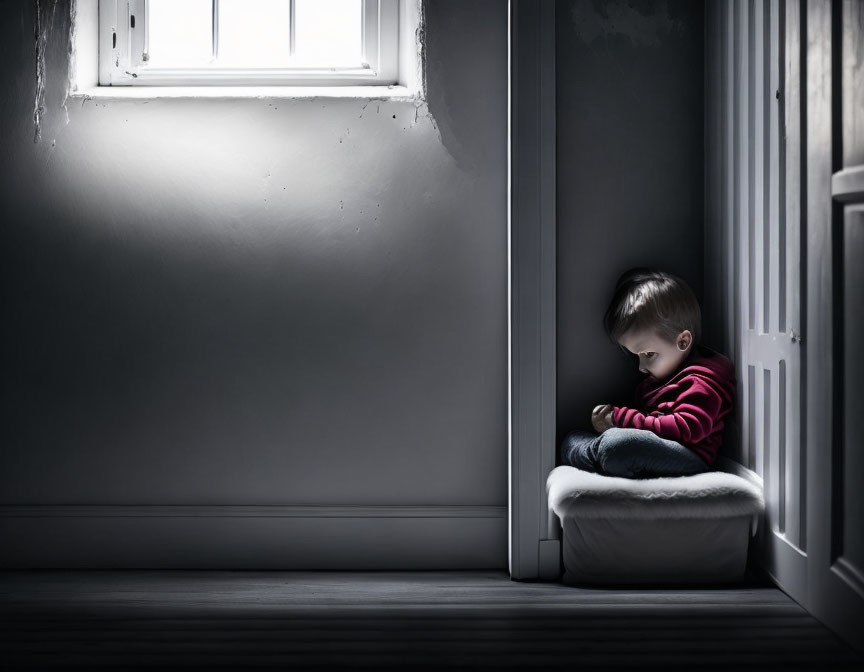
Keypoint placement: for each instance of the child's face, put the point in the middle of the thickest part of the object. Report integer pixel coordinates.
(658, 356)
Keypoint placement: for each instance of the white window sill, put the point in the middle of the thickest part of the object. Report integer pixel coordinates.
(396, 93)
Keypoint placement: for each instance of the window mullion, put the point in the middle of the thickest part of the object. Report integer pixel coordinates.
(364, 7)
(214, 31)
(292, 28)
(146, 27)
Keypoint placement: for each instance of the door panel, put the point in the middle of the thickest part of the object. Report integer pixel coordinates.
(850, 544)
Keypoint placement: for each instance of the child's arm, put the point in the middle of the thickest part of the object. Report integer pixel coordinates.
(688, 419)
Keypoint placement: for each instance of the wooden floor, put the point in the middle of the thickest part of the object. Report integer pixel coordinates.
(128, 620)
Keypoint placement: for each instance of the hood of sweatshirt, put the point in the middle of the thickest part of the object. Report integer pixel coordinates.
(713, 367)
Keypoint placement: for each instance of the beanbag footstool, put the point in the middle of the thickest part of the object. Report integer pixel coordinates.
(687, 529)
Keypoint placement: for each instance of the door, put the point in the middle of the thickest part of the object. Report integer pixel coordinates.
(785, 272)
(835, 299)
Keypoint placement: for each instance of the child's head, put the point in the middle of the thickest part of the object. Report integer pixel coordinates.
(655, 316)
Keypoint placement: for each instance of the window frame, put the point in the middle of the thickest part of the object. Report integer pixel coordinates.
(119, 41)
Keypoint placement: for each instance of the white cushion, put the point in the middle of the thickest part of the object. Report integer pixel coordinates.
(716, 494)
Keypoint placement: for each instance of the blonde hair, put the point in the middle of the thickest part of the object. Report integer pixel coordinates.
(647, 299)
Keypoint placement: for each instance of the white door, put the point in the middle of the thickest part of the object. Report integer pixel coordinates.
(755, 217)
(786, 207)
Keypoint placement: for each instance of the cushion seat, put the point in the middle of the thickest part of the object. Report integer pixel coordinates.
(687, 529)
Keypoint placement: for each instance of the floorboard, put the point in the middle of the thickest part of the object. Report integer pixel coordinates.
(131, 620)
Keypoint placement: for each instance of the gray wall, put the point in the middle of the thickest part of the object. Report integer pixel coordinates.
(256, 301)
(629, 173)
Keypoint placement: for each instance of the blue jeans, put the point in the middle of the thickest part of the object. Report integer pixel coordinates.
(630, 453)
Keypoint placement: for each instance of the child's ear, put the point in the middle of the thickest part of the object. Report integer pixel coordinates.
(684, 340)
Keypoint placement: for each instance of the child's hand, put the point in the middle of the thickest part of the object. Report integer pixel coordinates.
(601, 418)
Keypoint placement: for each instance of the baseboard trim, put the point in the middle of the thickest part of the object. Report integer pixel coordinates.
(137, 511)
(253, 537)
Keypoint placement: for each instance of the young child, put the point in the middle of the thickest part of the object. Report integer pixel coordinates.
(676, 425)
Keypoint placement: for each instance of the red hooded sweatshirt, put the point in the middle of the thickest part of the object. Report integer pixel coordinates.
(689, 407)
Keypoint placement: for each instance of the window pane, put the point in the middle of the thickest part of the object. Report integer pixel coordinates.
(179, 33)
(328, 32)
(254, 33)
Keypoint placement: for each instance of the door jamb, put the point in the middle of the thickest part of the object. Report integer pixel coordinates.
(531, 289)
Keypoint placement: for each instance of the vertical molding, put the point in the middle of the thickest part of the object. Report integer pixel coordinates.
(548, 233)
(781, 449)
(742, 302)
(750, 138)
(794, 264)
(800, 301)
(773, 284)
(759, 276)
(532, 276)
(730, 198)
(780, 57)
(769, 234)
(768, 418)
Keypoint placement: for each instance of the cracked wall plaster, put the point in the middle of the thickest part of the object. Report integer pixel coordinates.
(42, 29)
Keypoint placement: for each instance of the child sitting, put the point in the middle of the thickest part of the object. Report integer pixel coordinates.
(676, 426)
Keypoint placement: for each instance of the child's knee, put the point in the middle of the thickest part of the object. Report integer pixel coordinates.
(615, 452)
(622, 434)
(611, 440)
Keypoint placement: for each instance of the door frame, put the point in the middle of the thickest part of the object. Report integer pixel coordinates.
(533, 544)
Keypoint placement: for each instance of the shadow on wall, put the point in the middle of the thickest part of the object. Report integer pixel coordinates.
(629, 176)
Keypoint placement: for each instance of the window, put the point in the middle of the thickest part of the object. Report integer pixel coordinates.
(248, 42)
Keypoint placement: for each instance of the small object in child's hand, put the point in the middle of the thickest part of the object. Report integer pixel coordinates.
(601, 417)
